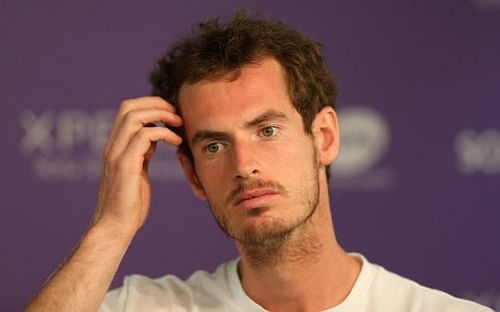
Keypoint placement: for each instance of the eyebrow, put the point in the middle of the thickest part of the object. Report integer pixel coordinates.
(266, 116)
(271, 114)
(203, 135)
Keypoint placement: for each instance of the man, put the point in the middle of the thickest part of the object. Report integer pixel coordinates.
(257, 134)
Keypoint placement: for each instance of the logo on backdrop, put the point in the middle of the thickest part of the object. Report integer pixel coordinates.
(489, 298)
(478, 151)
(364, 140)
(487, 4)
(66, 146)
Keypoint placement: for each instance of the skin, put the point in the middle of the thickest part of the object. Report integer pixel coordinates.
(302, 272)
(81, 283)
(250, 131)
(262, 175)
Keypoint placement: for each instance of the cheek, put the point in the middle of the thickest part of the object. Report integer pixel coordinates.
(297, 152)
(290, 163)
(211, 176)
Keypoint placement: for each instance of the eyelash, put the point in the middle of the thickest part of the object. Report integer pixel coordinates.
(275, 131)
(211, 144)
(261, 134)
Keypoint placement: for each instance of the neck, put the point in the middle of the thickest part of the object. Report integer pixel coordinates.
(308, 271)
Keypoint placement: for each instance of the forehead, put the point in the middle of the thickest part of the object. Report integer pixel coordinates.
(258, 87)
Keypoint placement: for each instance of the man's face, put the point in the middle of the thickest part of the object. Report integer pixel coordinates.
(253, 161)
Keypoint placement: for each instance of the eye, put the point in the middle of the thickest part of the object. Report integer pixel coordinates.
(269, 131)
(214, 147)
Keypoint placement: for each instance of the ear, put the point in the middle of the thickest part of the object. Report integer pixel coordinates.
(190, 173)
(326, 135)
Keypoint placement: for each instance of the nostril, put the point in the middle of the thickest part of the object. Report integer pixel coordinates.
(247, 174)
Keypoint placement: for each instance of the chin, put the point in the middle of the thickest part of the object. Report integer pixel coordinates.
(262, 229)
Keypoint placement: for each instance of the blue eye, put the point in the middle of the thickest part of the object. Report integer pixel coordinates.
(213, 148)
(268, 131)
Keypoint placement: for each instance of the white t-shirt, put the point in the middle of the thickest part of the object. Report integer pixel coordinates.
(375, 289)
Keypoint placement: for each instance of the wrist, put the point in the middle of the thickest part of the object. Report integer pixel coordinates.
(113, 230)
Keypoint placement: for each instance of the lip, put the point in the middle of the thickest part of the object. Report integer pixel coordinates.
(255, 198)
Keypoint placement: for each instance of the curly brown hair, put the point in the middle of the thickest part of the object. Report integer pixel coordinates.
(216, 49)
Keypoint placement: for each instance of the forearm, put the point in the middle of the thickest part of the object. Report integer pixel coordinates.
(81, 283)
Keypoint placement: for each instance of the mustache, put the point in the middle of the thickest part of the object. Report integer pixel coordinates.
(250, 185)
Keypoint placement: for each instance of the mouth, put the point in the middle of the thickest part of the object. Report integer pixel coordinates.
(255, 198)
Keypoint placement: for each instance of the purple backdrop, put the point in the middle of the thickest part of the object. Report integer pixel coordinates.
(416, 188)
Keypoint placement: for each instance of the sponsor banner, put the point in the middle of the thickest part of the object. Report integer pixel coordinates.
(478, 151)
(66, 146)
(489, 298)
(487, 4)
(365, 138)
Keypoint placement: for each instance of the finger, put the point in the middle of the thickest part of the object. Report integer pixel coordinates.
(141, 103)
(145, 102)
(133, 122)
(139, 148)
(147, 156)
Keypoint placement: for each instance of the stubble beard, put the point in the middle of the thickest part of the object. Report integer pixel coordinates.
(272, 241)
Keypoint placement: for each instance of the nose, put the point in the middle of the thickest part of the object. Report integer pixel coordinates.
(245, 161)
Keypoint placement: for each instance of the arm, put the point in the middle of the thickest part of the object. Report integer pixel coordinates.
(81, 283)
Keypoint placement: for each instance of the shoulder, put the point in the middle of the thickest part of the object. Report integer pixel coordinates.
(397, 293)
(201, 289)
